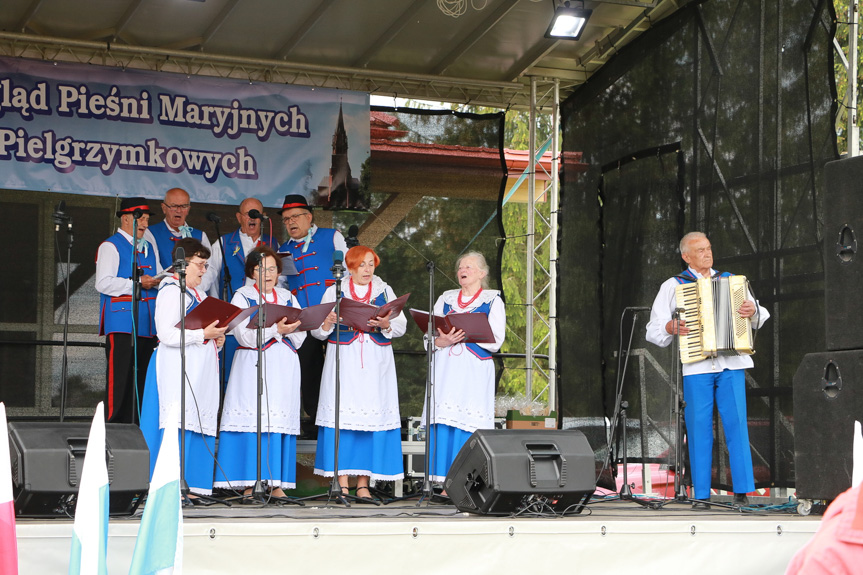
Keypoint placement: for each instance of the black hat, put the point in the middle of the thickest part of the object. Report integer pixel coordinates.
(129, 205)
(295, 201)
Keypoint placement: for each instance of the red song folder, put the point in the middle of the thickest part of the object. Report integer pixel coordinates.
(474, 325)
(356, 314)
(212, 309)
(311, 317)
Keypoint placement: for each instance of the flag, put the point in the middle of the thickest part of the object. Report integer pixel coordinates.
(90, 534)
(159, 546)
(8, 542)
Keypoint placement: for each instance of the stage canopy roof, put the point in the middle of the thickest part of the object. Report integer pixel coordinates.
(409, 49)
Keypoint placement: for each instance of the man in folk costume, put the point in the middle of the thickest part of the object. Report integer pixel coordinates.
(165, 234)
(114, 266)
(311, 248)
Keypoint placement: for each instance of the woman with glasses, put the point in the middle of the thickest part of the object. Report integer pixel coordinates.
(162, 391)
(369, 423)
(280, 402)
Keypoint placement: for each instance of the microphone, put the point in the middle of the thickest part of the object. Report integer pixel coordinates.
(179, 259)
(212, 217)
(338, 257)
(256, 215)
(352, 240)
(256, 257)
(338, 269)
(137, 213)
(60, 215)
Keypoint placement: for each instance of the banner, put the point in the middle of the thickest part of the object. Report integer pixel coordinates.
(112, 132)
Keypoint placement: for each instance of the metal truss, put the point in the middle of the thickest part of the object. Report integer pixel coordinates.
(504, 95)
(542, 273)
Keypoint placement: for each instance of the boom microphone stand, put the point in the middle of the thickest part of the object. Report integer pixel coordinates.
(59, 218)
(621, 406)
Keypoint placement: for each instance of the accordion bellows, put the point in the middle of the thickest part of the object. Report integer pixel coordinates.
(710, 310)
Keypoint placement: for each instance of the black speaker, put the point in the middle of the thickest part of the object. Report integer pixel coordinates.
(828, 397)
(843, 262)
(504, 471)
(48, 458)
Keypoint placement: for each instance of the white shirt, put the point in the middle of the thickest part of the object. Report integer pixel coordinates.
(107, 262)
(205, 241)
(661, 313)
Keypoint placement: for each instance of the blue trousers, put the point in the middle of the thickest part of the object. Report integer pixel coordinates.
(727, 390)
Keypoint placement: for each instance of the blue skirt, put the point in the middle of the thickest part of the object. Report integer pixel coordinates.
(238, 460)
(377, 454)
(444, 444)
(200, 449)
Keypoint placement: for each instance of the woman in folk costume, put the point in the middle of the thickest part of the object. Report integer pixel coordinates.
(162, 392)
(369, 421)
(280, 402)
(464, 374)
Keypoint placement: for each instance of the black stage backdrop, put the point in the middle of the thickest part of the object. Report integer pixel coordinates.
(719, 119)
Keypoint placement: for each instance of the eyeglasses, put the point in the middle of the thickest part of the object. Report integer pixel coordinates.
(203, 265)
(295, 217)
(178, 207)
(271, 270)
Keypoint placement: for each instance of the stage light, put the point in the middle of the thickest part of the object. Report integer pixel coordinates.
(568, 22)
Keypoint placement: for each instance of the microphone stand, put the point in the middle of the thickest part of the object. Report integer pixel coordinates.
(335, 488)
(258, 493)
(427, 492)
(620, 408)
(680, 404)
(180, 270)
(224, 288)
(64, 384)
(136, 299)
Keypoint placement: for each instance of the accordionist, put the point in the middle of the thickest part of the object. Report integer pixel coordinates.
(712, 381)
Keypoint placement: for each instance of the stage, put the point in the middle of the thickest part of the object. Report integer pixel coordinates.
(610, 536)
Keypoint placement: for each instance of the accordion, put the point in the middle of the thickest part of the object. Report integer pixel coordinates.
(710, 310)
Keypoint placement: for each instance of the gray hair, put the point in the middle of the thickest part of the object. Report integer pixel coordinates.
(481, 264)
(684, 241)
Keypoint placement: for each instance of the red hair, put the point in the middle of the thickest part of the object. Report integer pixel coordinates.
(357, 254)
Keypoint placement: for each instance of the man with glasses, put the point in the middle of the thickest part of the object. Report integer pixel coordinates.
(311, 249)
(114, 265)
(173, 228)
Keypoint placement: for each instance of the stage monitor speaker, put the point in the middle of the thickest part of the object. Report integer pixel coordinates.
(48, 458)
(828, 397)
(843, 262)
(505, 471)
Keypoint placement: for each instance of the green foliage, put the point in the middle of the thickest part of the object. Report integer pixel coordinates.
(841, 74)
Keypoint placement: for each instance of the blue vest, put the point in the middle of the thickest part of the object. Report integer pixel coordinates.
(472, 347)
(271, 341)
(349, 334)
(115, 312)
(165, 241)
(314, 276)
(236, 260)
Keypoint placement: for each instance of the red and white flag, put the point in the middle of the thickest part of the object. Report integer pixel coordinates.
(8, 542)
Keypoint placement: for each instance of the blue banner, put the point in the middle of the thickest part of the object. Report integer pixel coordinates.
(112, 132)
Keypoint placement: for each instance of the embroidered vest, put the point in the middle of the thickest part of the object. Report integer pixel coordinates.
(115, 312)
(235, 259)
(165, 241)
(272, 341)
(313, 267)
(349, 334)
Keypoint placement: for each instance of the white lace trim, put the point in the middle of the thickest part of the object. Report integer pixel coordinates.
(358, 472)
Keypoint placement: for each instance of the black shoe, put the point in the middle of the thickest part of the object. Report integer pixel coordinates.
(700, 505)
(740, 500)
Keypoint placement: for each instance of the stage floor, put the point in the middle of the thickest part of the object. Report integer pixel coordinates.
(610, 536)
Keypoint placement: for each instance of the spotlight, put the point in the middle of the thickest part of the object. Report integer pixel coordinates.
(568, 23)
